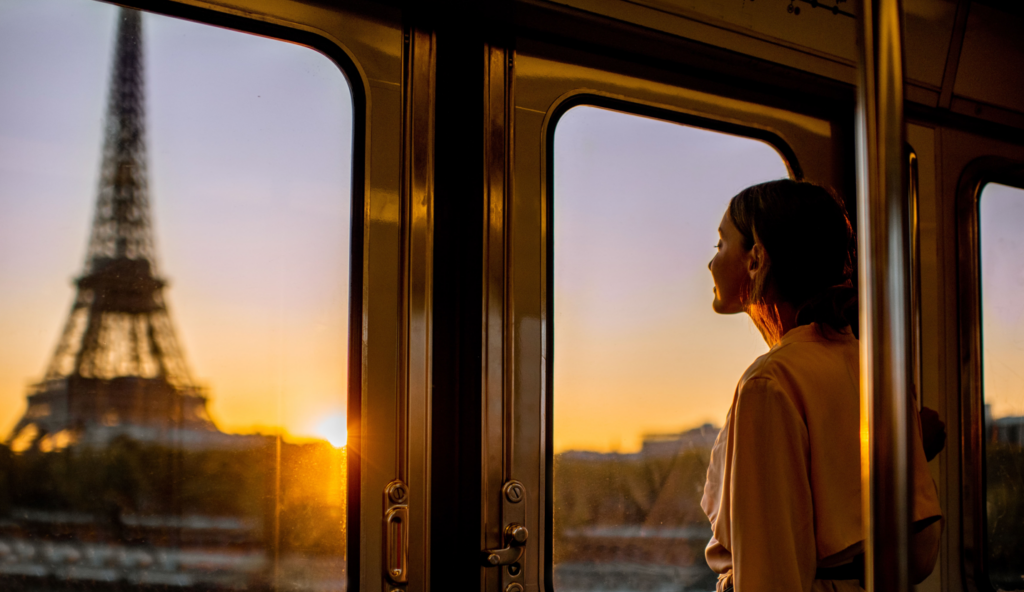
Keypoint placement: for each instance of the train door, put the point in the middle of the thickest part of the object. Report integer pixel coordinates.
(600, 398)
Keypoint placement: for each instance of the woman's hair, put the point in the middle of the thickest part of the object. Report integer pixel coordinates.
(811, 254)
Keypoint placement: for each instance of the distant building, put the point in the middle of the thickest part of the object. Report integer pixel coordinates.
(655, 445)
(1008, 430)
(659, 445)
(633, 521)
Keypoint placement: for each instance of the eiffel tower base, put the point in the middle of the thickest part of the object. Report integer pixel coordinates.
(94, 411)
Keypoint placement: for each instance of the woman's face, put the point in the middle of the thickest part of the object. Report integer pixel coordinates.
(730, 268)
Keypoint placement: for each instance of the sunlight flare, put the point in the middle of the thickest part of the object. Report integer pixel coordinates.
(333, 428)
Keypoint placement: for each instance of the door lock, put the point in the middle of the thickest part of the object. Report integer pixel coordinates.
(515, 540)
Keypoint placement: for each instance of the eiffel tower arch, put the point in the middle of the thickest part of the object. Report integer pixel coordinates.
(118, 368)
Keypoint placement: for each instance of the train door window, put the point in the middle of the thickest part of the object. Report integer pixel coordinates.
(182, 423)
(1001, 214)
(644, 371)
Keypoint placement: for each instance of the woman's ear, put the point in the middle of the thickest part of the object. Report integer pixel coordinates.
(756, 260)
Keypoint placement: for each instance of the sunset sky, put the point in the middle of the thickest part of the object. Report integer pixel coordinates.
(249, 159)
(1002, 293)
(638, 349)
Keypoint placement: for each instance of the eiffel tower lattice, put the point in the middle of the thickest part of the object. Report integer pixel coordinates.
(118, 368)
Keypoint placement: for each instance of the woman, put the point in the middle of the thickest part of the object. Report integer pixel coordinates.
(783, 487)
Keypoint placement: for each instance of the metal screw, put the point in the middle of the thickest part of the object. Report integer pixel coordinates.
(514, 587)
(493, 559)
(397, 492)
(396, 572)
(514, 492)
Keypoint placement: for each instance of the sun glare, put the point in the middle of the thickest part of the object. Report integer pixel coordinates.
(333, 429)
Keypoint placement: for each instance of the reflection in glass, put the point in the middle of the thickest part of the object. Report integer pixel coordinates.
(1002, 285)
(644, 371)
(121, 469)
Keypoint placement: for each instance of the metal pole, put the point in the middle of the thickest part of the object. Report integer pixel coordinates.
(884, 297)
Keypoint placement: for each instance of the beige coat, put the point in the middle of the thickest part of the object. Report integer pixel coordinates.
(783, 488)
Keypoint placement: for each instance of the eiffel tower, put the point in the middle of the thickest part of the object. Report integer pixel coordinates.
(118, 369)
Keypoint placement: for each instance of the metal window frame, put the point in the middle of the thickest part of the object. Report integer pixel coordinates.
(391, 253)
(357, 83)
(974, 532)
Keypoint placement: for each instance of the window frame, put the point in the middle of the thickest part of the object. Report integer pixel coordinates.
(390, 234)
(974, 527)
(357, 83)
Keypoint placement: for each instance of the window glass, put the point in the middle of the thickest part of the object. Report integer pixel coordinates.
(644, 370)
(1002, 296)
(174, 252)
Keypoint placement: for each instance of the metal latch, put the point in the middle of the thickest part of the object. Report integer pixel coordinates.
(515, 539)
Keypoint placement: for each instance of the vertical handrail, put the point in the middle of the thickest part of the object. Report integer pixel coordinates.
(884, 297)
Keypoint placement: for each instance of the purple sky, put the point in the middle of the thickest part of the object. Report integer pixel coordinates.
(1002, 296)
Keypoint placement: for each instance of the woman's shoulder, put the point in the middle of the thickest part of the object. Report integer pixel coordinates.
(803, 352)
(763, 376)
(782, 356)
(760, 368)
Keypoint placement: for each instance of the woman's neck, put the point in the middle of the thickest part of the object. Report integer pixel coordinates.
(773, 320)
(787, 316)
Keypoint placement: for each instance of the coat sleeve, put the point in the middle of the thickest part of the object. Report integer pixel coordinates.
(773, 546)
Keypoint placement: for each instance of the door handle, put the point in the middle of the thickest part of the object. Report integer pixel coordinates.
(515, 540)
(396, 529)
